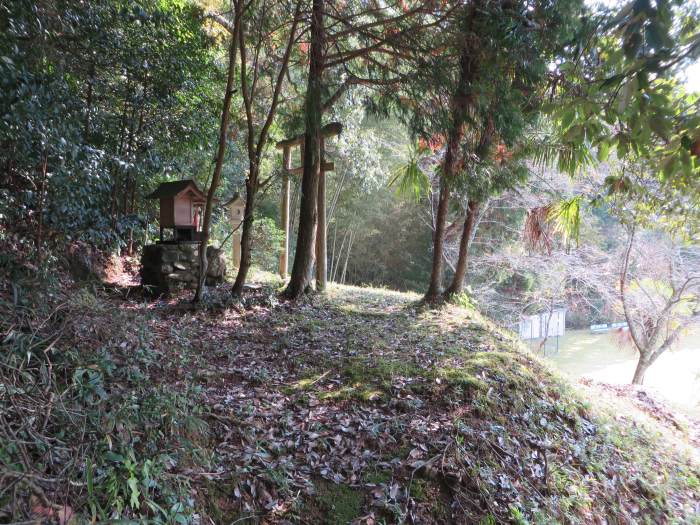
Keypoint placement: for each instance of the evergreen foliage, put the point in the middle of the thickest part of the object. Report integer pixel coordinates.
(99, 100)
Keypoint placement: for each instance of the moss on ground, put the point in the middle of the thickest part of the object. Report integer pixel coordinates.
(334, 504)
(522, 433)
(377, 477)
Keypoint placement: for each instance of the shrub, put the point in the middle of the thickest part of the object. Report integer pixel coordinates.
(88, 415)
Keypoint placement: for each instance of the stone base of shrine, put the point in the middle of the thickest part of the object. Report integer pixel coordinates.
(167, 267)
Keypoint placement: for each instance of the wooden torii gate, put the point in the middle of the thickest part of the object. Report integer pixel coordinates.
(329, 130)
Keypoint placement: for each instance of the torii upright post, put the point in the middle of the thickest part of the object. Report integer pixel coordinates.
(284, 210)
(329, 130)
(321, 274)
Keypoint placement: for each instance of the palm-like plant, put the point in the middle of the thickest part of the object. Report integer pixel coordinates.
(410, 180)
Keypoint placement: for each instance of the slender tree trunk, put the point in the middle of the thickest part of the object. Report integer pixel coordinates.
(129, 155)
(451, 167)
(543, 343)
(114, 193)
(246, 240)
(645, 359)
(347, 256)
(304, 255)
(339, 257)
(638, 339)
(321, 232)
(435, 286)
(640, 371)
(132, 208)
(133, 181)
(223, 131)
(332, 257)
(88, 101)
(256, 148)
(457, 285)
(294, 206)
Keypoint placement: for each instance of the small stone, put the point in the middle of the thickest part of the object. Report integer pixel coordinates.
(168, 256)
(188, 248)
(216, 269)
(179, 266)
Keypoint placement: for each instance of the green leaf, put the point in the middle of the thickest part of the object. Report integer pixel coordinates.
(627, 91)
(133, 484)
(575, 134)
(411, 180)
(566, 216)
(112, 456)
(603, 151)
(659, 125)
(610, 117)
(567, 118)
(623, 146)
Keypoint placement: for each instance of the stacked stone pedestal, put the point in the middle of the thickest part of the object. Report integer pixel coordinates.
(169, 267)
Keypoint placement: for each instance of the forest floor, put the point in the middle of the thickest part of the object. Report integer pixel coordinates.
(358, 406)
(361, 405)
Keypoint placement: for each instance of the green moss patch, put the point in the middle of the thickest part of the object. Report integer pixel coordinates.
(334, 504)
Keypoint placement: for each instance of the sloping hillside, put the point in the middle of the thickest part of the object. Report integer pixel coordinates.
(356, 407)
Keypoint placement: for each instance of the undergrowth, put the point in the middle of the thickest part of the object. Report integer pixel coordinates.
(358, 407)
(87, 419)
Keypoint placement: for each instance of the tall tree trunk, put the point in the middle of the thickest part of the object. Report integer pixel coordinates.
(451, 167)
(641, 369)
(543, 344)
(246, 240)
(304, 255)
(223, 131)
(256, 148)
(457, 285)
(347, 256)
(638, 339)
(132, 205)
(133, 179)
(435, 286)
(114, 192)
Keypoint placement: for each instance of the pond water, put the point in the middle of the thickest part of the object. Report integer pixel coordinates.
(675, 375)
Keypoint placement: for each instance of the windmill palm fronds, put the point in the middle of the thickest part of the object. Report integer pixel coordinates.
(410, 179)
(543, 222)
(566, 217)
(537, 232)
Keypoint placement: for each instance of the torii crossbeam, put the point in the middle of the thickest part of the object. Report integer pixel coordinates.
(329, 130)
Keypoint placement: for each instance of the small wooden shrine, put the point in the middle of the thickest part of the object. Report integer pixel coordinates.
(329, 130)
(173, 262)
(181, 210)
